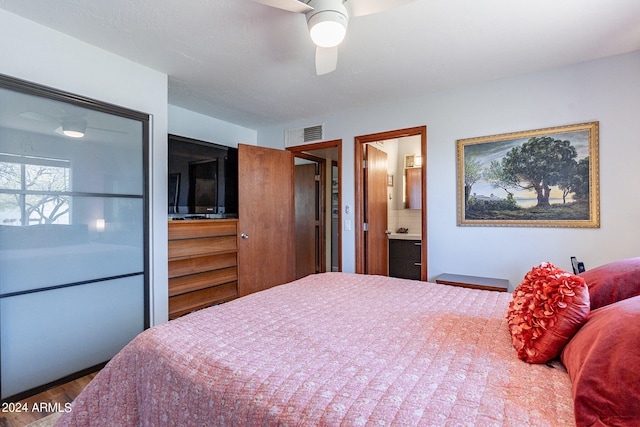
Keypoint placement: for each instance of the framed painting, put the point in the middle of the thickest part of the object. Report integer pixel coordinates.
(538, 178)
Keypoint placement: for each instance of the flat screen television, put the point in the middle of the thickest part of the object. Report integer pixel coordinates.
(203, 179)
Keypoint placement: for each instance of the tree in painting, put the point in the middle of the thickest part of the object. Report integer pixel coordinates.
(538, 164)
(472, 173)
(496, 176)
(580, 181)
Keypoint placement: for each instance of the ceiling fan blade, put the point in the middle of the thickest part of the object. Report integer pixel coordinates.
(31, 115)
(368, 7)
(326, 59)
(108, 130)
(290, 5)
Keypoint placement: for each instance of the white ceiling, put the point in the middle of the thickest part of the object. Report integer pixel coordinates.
(253, 65)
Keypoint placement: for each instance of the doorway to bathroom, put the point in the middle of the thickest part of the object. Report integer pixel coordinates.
(390, 191)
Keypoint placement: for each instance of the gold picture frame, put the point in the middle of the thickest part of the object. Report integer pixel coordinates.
(538, 178)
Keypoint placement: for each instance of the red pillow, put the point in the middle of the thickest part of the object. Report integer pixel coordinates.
(603, 361)
(613, 282)
(547, 309)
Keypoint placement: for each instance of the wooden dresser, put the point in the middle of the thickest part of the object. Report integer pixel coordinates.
(203, 264)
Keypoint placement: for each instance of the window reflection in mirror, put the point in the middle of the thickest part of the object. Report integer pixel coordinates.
(47, 178)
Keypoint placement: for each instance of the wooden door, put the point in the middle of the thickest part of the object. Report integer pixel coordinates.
(306, 220)
(266, 255)
(377, 249)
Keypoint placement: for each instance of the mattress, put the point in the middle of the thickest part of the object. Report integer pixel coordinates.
(331, 349)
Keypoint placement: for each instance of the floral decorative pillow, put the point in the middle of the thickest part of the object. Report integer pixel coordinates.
(547, 309)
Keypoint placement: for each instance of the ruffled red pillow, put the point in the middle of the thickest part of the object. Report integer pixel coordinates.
(547, 309)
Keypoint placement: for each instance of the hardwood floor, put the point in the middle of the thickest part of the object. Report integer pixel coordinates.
(51, 399)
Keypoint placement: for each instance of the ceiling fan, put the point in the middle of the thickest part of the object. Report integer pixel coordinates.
(328, 21)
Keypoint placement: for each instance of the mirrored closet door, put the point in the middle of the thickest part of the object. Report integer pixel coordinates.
(73, 240)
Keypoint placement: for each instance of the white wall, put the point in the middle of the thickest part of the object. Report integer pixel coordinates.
(198, 126)
(606, 90)
(38, 54)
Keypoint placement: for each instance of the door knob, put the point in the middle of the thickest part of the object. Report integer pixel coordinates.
(244, 235)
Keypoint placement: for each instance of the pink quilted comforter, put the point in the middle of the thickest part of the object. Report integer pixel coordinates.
(332, 349)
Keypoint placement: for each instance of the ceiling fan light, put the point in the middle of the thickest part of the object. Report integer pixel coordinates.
(327, 33)
(327, 22)
(73, 133)
(74, 128)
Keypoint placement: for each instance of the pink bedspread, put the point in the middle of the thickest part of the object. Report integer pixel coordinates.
(331, 349)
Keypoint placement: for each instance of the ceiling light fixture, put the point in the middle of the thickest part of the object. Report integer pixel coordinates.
(327, 22)
(74, 128)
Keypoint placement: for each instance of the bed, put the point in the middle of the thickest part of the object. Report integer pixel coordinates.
(331, 349)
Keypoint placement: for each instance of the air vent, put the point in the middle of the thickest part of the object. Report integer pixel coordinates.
(304, 135)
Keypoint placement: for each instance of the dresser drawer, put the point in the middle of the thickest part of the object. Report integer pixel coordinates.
(185, 266)
(404, 259)
(195, 229)
(202, 246)
(185, 303)
(194, 282)
(404, 269)
(401, 249)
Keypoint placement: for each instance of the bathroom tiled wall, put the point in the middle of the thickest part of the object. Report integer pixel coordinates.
(407, 218)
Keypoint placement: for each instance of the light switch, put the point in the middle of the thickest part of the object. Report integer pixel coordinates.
(347, 225)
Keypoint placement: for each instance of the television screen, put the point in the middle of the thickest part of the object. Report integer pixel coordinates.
(203, 179)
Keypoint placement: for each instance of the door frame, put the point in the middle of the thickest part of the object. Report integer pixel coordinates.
(359, 142)
(299, 151)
